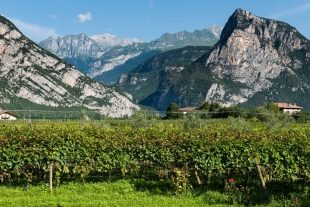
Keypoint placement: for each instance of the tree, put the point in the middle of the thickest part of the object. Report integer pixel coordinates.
(272, 107)
(173, 111)
(302, 116)
(205, 106)
(231, 111)
(214, 107)
(209, 107)
(139, 119)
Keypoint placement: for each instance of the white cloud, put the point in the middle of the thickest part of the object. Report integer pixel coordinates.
(84, 17)
(293, 11)
(53, 16)
(32, 31)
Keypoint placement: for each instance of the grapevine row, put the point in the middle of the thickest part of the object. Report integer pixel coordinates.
(214, 151)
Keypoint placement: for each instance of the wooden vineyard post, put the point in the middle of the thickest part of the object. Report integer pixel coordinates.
(261, 177)
(197, 178)
(51, 176)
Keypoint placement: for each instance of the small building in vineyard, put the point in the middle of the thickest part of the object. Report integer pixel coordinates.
(288, 108)
(187, 109)
(6, 115)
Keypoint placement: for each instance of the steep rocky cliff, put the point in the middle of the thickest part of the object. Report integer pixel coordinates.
(31, 74)
(254, 51)
(256, 60)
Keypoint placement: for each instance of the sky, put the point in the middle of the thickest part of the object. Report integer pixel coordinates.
(146, 20)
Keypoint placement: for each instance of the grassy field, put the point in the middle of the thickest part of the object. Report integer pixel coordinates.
(122, 193)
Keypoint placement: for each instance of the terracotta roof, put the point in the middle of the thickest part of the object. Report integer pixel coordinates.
(283, 105)
(7, 112)
(187, 109)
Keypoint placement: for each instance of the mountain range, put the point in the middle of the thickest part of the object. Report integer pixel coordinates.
(31, 77)
(255, 61)
(105, 57)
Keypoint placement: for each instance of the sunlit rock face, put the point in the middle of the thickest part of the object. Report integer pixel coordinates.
(255, 61)
(252, 51)
(29, 72)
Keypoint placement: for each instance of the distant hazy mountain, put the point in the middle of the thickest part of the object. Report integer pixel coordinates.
(256, 60)
(73, 46)
(108, 41)
(31, 77)
(79, 50)
(115, 53)
(120, 66)
(118, 57)
(205, 37)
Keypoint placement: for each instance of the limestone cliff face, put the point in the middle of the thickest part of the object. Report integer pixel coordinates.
(252, 51)
(29, 72)
(256, 60)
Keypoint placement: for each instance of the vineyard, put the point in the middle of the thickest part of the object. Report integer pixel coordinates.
(184, 157)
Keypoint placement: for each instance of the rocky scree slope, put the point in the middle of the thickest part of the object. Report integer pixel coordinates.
(32, 74)
(256, 60)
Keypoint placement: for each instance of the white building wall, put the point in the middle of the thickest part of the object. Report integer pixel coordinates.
(6, 116)
(291, 111)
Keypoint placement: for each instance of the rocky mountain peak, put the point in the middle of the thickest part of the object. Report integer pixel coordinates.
(256, 60)
(72, 46)
(239, 19)
(216, 30)
(106, 56)
(29, 74)
(53, 37)
(107, 41)
(253, 51)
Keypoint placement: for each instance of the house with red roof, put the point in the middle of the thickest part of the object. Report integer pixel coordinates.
(6, 115)
(186, 109)
(288, 108)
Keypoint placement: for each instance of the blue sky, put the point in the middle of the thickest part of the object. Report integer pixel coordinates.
(143, 19)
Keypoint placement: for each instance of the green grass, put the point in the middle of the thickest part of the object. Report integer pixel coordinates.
(123, 193)
(120, 193)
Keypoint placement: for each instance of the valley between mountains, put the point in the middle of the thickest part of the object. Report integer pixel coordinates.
(250, 61)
